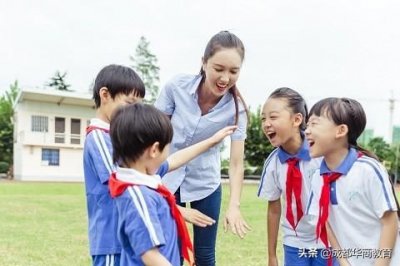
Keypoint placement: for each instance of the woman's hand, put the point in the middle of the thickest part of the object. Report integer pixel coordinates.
(234, 220)
(195, 217)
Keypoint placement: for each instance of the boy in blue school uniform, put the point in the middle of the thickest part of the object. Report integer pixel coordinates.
(115, 85)
(150, 222)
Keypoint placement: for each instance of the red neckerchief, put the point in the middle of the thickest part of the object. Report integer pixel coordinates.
(91, 128)
(324, 200)
(117, 187)
(293, 187)
(322, 234)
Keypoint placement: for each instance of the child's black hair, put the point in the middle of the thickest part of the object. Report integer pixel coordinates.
(117, 79)
(134, 128)
(296, 102)
(350, 113)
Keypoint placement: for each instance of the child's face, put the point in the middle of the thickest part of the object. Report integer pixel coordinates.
(278, 122)
(121, 100)
(222, 71)
(321, 135)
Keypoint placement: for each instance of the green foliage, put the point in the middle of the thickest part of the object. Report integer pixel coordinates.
(257, 147)
(58, 82)
(4, 166)
(145, 63)
(381, 149)
(6, 126)
(224, 166)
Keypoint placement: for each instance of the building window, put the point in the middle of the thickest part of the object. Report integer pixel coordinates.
(59, 130)
(75, 131)
(40, 123)
(50, 156)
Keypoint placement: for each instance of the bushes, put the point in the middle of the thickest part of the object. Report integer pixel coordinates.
(4, 166)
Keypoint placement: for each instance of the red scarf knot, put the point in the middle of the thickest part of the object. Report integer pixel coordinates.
(293, 187)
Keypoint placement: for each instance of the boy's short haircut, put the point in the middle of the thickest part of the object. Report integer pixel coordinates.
(117, 79)
(134, 128)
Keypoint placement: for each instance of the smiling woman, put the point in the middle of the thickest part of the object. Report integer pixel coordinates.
(200, 105)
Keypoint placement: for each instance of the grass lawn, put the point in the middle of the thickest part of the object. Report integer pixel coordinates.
(46, 224)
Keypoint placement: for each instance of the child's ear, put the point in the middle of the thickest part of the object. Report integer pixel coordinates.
(104, 94)
(154, 150)
(342, 131)
(298, 119)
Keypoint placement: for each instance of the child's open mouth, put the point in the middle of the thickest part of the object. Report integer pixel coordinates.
(271, 135)
(311, 142)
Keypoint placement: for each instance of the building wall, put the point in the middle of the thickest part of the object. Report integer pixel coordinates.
(32, 168)
(396, 135)
(28, 146)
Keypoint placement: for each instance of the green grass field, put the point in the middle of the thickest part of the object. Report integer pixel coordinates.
(46, 224)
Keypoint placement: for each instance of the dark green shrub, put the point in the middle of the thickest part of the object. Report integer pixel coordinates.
(4, 167)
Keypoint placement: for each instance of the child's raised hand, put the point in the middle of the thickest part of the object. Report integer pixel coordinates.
(222, 133)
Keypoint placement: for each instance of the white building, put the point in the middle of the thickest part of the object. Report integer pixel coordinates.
(49, 132)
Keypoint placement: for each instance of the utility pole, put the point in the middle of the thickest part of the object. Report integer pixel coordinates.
(392, 101)
(391, 111)
(396, 164)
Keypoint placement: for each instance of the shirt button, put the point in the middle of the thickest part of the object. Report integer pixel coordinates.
(332, 189)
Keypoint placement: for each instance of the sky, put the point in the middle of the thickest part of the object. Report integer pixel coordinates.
(320, 48)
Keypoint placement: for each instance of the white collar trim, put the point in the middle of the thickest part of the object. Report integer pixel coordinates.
(96, 122)
(133, 176)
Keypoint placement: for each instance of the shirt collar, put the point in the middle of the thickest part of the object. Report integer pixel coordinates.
(96, 122)
(303, 154)
(195, 85)
(133, 176)
(344, 167)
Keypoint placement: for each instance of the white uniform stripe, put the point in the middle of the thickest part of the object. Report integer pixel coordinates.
(140, 204)
(103, 149)
(147, 215)
(107, 260)
(384, 187)
(271, 155)
(111, 260)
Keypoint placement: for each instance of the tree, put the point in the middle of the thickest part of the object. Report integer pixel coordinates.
(145, 63)
(6, 126)
(58, 82)
(395, 164)
(381, 149)
(257, 147)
